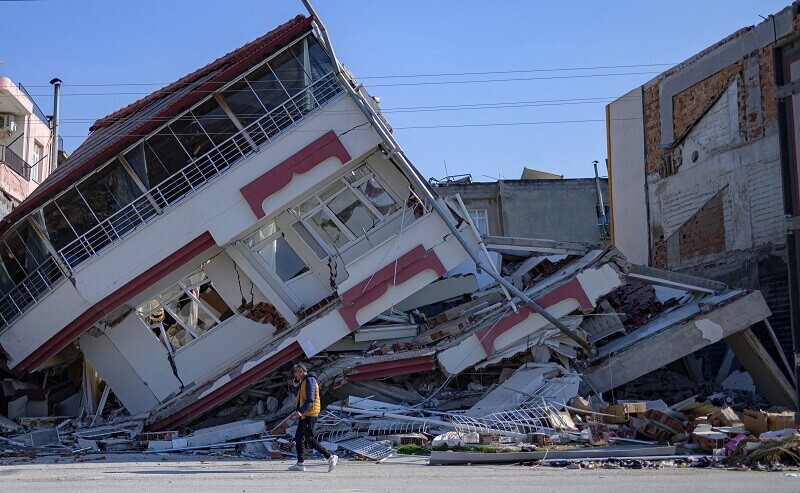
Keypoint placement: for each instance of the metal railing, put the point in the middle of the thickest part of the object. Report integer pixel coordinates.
(36, 110)
(38, 282)
(15, 162)
(168, 193)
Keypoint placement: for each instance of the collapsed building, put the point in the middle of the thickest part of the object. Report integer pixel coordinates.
(258, 211)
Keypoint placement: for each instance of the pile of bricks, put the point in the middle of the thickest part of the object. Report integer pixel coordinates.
(264, 313)
(658, 425)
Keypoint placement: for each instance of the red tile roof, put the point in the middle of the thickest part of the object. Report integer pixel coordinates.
(113, 133)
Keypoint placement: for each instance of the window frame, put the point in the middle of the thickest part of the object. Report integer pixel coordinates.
(476, 219)
(163, 304)
(38, 155)
(322, 205)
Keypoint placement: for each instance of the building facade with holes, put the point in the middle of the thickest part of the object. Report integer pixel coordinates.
(703, 166)
(25, 145)
(259, 219)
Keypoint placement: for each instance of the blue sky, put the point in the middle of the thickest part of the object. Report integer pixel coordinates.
(551, 118)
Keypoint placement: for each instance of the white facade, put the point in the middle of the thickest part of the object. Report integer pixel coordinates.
(278, 239)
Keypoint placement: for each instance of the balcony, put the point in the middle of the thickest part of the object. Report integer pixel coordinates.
(15, 162)
(167, 194)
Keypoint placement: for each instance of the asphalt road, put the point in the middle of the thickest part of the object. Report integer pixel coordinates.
(117, 474)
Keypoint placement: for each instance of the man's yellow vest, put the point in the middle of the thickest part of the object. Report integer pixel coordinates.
(301, 399)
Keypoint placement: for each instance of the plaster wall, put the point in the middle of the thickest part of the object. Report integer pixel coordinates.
(628, 183)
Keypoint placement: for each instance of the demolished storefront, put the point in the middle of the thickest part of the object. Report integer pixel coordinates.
(258, 212)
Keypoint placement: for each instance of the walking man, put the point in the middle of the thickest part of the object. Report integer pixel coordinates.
(306, 410)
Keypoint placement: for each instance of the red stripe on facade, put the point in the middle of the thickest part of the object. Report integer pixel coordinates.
(230, 389)
(392, 368)
(372, 288)
(569, 290)
(301, 162)
(152, 275)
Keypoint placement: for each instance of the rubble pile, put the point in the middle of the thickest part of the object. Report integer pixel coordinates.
(461, 372)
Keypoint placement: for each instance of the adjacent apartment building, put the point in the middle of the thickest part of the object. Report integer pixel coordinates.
(545, 207)
(25, 145)
(703, 166)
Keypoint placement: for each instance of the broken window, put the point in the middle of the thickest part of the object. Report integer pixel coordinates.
(347, 209)
(107, 192)
(185, 311)
(276, 253)
(58, 231)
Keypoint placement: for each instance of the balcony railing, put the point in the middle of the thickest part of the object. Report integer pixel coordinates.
(167, 194)
(36, 110)
(15, 162)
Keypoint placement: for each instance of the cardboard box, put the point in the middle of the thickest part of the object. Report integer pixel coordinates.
(755, 421)
(780, 421)
(623, 411)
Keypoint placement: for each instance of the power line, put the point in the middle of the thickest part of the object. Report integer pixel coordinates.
(412, 127)
(402, 76)
(397, 110)
(396, 84)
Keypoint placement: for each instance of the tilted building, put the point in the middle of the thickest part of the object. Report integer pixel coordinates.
(208, 233)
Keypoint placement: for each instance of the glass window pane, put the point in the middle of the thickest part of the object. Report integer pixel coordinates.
(331, 190)
(355, 215)
(262, 234)
(27, 247)
(192, 136)
(58, 231)
(282, 259)
(37, 253)
(320, 61)
(290, 72)
(306, 206)
(244, 103)
(301, 230)
(357, 174)
(267, 87)
(169, 151)
(97, 194)
(11, 263)
(327, 230)
(146, 165)
(6, 282)
(378, 197)
(76, 212)
(214, 121)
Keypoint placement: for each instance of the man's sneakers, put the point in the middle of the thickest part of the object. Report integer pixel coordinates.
(332, 460)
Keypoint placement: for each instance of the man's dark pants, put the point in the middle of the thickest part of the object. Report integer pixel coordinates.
(305, 436)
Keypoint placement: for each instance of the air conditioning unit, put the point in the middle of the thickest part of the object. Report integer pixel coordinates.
(8, 123)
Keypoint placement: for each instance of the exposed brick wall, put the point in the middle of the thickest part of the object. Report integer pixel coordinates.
(652, 128)
(704, 233)
(690, 104)
(660, 254)
(769, 95)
